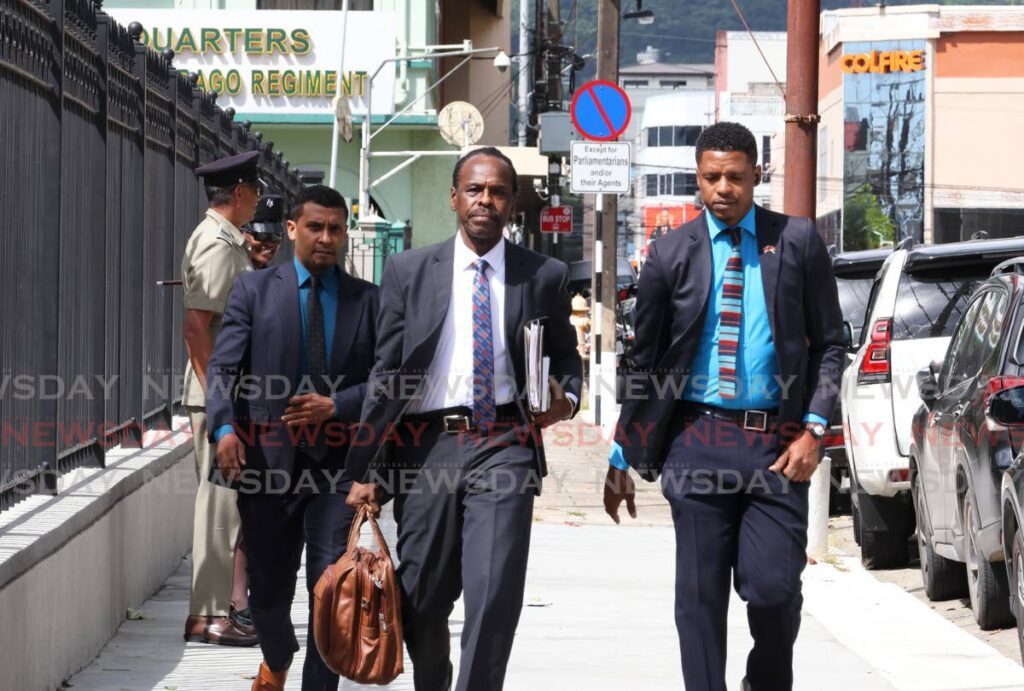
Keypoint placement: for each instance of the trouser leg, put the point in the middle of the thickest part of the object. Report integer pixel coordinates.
(771, 556)
(327, 522)
(214, 531)
(497, 516)
(273, 526)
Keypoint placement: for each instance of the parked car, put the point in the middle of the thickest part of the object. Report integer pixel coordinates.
(959, 453)
(854, 272)
(1007, 408)
(916, 300)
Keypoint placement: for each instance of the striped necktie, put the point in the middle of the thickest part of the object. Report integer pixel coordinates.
(484, 408)
(729, 321)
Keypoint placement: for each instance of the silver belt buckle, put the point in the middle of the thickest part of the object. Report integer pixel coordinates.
(762, 420)
(454, 424)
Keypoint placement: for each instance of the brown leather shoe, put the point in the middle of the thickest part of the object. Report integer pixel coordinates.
(267, 680)
(217, 631)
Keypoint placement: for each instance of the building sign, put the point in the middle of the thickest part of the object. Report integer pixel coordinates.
(284, 62)
(884, 61)
(599, 167)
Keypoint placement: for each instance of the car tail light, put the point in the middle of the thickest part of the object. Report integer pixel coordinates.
(623, 294)
(874, 368)
(834, 437)
(899, 475)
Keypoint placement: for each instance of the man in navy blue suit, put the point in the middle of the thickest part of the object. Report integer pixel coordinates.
(737, 360)
(297, 343)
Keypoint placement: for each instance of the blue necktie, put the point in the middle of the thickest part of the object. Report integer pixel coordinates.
(484, 408)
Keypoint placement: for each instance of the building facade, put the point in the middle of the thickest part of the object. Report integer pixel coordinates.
(300, 125)
(921, 108)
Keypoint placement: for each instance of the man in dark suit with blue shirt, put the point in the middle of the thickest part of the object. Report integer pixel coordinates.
(734, 373)
(297, 344)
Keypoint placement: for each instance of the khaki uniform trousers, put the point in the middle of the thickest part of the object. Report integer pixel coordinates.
(215, 530)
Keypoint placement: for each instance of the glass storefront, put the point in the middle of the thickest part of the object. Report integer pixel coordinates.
(883, 143)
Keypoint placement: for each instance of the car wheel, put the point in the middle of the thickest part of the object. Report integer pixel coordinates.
(944, 579)
(986, 582)
(883, 549)
(1017, 562)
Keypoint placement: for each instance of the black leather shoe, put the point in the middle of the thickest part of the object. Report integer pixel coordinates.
(242, 619)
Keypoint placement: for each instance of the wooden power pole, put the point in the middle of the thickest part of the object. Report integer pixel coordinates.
(801, 108)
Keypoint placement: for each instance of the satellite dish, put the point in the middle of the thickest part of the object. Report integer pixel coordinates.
(460, 124)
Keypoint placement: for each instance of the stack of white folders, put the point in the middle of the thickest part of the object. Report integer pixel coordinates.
(538, 392)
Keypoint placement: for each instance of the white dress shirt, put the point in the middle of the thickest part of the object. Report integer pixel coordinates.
(450, 380)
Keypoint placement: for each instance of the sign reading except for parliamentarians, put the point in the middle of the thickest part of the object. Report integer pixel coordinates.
(600, 110)
(276, 62)
(599, 167)
(556, 219)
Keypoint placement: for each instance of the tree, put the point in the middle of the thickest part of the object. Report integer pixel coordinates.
(865, 225)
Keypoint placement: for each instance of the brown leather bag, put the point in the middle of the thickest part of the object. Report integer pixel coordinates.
(357, 614)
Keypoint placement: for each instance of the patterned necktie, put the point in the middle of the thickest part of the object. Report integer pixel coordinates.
(484, 408)
(316, 362)
(316, 344)
(729, 322)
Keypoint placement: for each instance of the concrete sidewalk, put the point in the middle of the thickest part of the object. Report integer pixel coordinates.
(588, 625)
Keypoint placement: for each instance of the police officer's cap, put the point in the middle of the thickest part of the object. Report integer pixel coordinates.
(231, 170)
(269, 218)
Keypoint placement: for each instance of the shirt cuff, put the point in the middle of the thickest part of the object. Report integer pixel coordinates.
(811, 417)
(221, 431)
(574, 399)
(616, 459)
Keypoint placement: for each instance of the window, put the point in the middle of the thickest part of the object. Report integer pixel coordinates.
(652, 136)
(684, 184)
(651, 183)
(929, 304)
(665, 184)
(673, 83)
(634, 83)
(955, 362)
(687, 135)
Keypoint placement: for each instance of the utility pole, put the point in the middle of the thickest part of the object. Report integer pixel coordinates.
(553, 70)
(605, 226)
(801, 108)
(525, 71)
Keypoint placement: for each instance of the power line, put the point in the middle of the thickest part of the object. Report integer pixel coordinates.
(778, 84)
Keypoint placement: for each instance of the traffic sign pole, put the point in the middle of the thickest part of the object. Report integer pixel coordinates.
(598, 306)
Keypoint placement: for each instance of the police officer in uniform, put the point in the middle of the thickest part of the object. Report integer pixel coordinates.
(266, 232)
(216, 253)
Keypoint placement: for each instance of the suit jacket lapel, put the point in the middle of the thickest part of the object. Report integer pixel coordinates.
(444, 262)
(769, 235)
(515, 278)
(349, 315)
(286, 294)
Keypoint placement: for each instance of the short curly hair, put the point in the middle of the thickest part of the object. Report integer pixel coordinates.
(727, 136)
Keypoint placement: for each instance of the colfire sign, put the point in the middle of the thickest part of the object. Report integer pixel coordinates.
(267, 61)
(884, 61)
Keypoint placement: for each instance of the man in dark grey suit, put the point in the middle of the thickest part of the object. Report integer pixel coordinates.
(735, 370)
(466, 460)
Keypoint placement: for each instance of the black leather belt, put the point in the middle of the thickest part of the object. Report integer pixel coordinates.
(459, 419)
(753, 420)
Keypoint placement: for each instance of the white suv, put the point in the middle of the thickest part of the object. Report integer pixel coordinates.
(915, 303)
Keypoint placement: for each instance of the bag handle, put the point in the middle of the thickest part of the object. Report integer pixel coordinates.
(363, 516)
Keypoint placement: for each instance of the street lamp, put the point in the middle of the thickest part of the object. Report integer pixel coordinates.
(467, 52)
(641, 15)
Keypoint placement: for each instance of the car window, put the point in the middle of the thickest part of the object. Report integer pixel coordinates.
(854, 293)
(990, 362)
(954, 363)
(865, 328)
(929, 304)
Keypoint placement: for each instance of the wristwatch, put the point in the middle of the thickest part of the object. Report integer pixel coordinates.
(816, 429)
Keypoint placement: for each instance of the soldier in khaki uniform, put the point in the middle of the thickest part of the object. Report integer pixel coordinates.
(216, 253)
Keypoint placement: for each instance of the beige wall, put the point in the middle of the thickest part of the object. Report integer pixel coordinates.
(479, 83)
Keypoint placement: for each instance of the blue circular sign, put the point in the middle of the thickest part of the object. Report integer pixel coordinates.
(600, 110)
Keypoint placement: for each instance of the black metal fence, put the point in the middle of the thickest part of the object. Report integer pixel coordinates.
(99, 138)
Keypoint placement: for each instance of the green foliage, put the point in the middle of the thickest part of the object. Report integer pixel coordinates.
(865, 225)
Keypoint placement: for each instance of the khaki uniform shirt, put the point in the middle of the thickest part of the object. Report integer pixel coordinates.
(214, 256)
